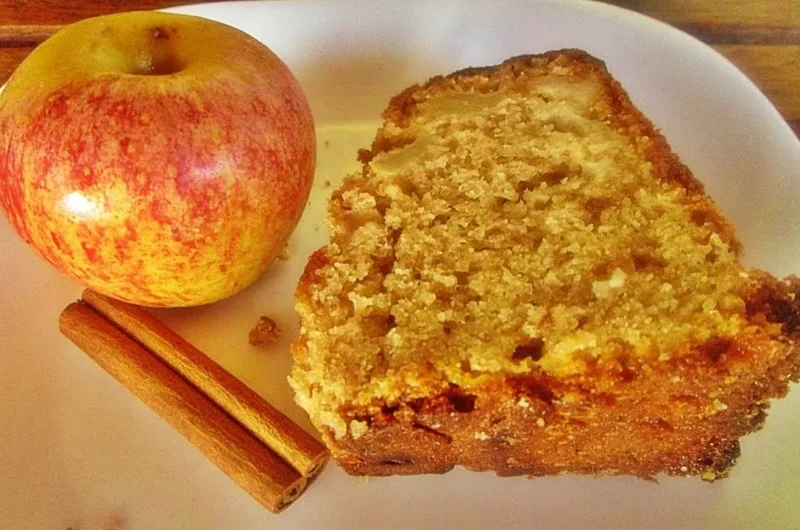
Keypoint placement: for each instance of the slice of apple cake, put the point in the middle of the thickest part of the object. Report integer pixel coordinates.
(524, 278)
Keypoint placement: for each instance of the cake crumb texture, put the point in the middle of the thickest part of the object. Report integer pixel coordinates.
(525, 278)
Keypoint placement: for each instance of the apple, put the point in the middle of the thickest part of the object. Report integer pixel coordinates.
(160, 159)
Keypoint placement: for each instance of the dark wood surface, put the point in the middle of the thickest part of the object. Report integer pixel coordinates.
(762, 37)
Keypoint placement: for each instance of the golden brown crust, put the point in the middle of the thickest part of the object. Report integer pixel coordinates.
(683, 417)
(624, 415)
(680, 418)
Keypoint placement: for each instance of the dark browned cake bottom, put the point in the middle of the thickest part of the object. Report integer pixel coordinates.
(682, 417)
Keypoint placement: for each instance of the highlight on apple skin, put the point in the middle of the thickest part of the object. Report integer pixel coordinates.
(160, 159)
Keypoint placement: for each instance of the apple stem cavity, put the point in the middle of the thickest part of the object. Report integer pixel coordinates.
(158, 59)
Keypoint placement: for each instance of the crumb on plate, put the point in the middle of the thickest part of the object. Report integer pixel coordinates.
(265, 332)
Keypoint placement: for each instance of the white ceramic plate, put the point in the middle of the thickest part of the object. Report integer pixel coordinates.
(76, 450)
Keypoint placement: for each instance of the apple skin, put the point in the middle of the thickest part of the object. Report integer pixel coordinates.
(160, 159)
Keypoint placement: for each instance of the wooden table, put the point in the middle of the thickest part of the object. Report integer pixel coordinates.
(762, 37)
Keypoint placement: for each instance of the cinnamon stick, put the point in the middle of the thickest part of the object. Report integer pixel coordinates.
(257, 470)
(298, 448)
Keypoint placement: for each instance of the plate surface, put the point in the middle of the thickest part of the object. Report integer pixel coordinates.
(77, 451)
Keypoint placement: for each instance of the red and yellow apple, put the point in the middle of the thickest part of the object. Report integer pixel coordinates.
(157, 158)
